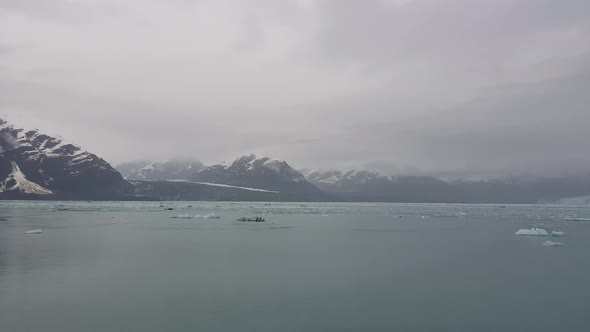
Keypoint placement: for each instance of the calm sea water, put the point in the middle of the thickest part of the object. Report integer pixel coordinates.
(314, 267)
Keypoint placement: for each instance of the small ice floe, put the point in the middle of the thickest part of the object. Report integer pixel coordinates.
(425, 217)
(35, 231)
(553, 244)
(532, 232)
(182, 216)
(557, 233)
(575, 219)
(208, 216)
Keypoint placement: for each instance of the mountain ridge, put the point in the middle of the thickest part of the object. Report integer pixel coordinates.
(174, 169)
(264, 173)
(33, 163)
(375, 186)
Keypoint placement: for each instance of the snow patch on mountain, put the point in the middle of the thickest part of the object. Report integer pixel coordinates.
(249, 165)
(17, 181)
(334, 177)
(38, 145)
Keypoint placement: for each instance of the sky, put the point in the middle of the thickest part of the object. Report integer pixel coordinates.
(451, 88)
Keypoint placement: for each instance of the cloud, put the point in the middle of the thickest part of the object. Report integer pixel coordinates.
(454, 87)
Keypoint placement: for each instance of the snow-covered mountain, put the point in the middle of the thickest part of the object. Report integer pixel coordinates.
(374, 186)
(160, 170)
(335, 180)
(361, 180)
(263, 173)
(368, 185)
(33, 164)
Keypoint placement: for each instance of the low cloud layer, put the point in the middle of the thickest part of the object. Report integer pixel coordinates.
(452, 88)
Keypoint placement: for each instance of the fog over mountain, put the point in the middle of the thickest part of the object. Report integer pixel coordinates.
(452, 89)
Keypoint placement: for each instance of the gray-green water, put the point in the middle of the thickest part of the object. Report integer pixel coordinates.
(314, 267)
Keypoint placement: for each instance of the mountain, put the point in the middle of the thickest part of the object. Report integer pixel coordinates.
(348, 181)
(262, 173)
(131, 167)
(163, 170)
(36, 165)
(367, 185)
(374, 186)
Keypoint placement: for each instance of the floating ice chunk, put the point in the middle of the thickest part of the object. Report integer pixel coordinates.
(575, 219)
(553, 244)
(182, 216)
(208, 216)
(35, 231)
(532, 232)
(557, 233)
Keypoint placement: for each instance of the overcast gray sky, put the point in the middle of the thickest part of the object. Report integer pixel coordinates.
(448, 87)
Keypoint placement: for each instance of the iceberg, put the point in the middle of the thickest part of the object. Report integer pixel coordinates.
(35, 231)
(532, 232)
(553, 244)
(557, 233)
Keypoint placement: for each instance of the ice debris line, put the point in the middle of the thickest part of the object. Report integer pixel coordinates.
(575, 219)
(182, 216)
(198, 216)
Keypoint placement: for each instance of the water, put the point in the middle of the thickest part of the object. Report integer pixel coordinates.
(129, 266)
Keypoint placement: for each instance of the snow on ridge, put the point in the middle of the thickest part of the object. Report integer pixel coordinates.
(330, 180)
(44, 144)
(156, 165)
(81, 157)
(273, 164)
(251, 163)
(332, 176)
